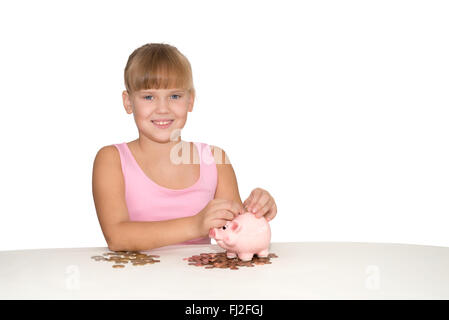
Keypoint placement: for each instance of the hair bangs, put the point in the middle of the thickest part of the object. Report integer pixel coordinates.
(157, 66)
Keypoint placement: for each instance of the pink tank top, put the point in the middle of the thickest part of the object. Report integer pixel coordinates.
(148, 201)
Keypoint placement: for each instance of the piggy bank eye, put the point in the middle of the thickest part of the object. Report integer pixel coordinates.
(224, 228)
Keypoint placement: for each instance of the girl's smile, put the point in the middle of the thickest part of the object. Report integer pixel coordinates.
(163, 123)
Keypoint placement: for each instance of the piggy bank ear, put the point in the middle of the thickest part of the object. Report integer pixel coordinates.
(235, 226)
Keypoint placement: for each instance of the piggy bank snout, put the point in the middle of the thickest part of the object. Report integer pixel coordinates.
(212, 233)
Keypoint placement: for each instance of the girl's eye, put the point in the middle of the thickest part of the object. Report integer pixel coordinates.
(173, 95)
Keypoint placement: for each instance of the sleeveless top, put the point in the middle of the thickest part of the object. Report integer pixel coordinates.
(148, 201)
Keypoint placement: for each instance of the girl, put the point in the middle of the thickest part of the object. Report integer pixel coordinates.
(159, 190)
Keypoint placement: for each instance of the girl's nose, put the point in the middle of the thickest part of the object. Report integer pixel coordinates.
(161, 104)
(212, 233)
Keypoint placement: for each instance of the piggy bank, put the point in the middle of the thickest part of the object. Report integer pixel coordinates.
(244, 236)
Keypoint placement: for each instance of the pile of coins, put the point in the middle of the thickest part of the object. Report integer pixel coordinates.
(220, 260)
(120, 258)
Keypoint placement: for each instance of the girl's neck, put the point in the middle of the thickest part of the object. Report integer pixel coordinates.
(157, 151)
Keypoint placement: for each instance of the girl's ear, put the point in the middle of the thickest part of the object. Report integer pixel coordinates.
(191, 100)
(127, 102)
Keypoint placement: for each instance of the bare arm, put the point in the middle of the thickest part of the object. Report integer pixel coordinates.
(108, 190)
(227, 186)
(147, 235)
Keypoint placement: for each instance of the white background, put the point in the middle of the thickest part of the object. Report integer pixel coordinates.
(338, 108)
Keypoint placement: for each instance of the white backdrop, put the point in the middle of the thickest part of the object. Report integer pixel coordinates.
(338, 108)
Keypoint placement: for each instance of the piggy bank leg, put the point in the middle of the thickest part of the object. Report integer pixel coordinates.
(230, 254)
(263, 253)
(245, 256)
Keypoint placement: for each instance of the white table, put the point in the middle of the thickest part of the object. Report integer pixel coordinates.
(303, 270)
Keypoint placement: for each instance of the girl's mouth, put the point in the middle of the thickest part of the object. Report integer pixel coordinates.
(162, 124)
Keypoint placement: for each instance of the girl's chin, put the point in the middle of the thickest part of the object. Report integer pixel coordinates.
(159, 137)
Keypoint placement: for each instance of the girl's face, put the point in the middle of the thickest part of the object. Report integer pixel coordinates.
(152, 105)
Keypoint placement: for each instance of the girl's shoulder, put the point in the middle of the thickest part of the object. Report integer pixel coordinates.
(108, 156)
(109, 152)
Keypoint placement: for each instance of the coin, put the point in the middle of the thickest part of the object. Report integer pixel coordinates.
(221, 261)
(122, 257)
(98, 258)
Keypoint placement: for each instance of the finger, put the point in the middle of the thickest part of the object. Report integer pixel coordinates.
(261, 202)
(271, 213)
(250, 198)
(247, 202)
(234, 207)
(255, 195)
(239, 208)
(226, 215)
(264, 209)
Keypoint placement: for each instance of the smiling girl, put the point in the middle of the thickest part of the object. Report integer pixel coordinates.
(159, 190)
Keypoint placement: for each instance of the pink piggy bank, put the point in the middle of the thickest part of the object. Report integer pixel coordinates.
(244, 236)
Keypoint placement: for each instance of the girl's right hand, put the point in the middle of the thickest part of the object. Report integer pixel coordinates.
(216, 214)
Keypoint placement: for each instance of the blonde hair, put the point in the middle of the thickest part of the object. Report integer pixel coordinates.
(158, 66)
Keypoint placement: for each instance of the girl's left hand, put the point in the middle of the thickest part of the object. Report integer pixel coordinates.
(261, 203)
